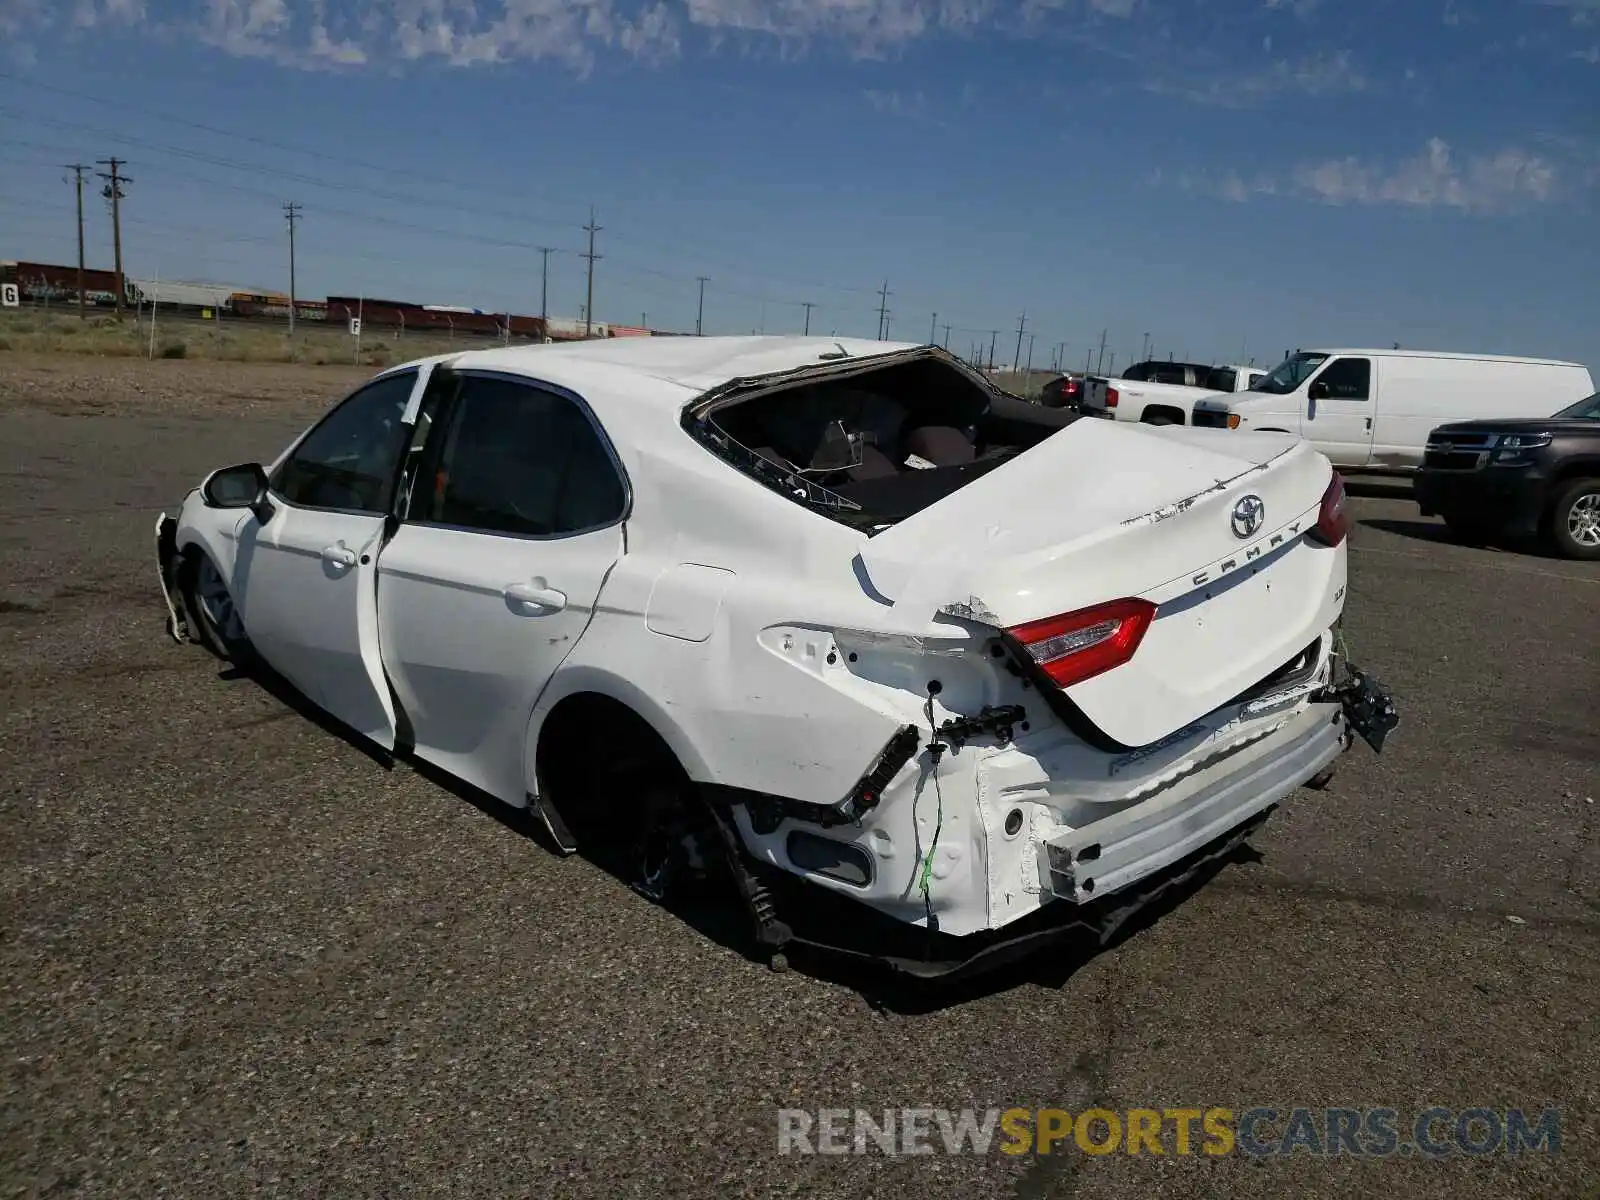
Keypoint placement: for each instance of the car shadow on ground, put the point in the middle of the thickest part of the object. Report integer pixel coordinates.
(1378, 487)
(724, 922)
(1422, 531)
(1051, 966)
(1438, 533)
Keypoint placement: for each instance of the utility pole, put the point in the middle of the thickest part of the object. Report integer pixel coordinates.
(700, 312)
(933, 329)
(292, 212)
(1028, 370)
(78, 169)
(588, 306)
(808, 306)
(1144, 354)
(113, 192)
(993, 333)
(544, 287)
(1101, 362)
(883, 311)
(946, 342)
(1016, 359)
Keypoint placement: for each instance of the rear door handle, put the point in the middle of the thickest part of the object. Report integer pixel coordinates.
(340, 555)
(544, 597)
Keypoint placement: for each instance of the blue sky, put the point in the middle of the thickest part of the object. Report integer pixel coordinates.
(1232, 177)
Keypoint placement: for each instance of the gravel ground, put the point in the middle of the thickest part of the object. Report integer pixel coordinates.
(236, 955)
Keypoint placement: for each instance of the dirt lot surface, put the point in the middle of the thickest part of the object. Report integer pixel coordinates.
(236, 955)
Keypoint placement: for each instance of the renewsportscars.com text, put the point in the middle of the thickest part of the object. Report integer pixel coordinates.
(1261, 1132)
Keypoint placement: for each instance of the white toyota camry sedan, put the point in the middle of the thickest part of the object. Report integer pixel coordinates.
(885, 658)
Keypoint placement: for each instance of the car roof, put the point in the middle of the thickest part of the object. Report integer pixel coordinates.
(695, 364)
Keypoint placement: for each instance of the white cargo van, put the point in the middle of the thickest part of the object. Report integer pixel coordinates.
(1372, 410)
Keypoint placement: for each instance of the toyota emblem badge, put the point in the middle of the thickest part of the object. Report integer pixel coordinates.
(1248, 514)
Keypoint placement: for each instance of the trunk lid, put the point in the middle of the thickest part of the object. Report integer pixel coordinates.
(1102, 511)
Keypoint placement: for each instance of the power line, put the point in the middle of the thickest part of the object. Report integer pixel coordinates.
(113, 192)
(292, 212)
(475, 188)
(588, 308)
(544, 283)
(369, 218)
(77, 170)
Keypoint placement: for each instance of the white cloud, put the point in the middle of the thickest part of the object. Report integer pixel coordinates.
(868, 27)
(1230, 186)
(1319, 75)
(310, 33)
(1481, 184)
(1300, 8)
(897, 104)
(20, 16)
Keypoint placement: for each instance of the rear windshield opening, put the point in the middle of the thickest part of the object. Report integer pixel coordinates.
(875, 447)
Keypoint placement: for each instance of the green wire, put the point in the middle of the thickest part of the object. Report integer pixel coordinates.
(938, 824)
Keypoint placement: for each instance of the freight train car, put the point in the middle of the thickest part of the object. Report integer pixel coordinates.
(403, 317)
(51, 284)
(274, 306)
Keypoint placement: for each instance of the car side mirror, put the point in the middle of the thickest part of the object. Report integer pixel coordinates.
(1319, 390)
(243, 486)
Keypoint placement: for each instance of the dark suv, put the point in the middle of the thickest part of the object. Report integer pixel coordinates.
(1524, 477)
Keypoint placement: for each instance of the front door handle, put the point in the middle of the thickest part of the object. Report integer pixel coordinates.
(544, 597)
(340, 555)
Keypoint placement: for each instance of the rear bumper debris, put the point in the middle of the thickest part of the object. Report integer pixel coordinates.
(1097, 876)
(1135, 843)
(1367, 706)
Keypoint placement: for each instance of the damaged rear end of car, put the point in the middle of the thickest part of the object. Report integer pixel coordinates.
(1099, 656)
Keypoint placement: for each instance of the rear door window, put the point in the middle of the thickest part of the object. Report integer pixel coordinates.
(519, 459)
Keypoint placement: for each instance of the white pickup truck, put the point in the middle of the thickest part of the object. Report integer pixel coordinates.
(1153, 402)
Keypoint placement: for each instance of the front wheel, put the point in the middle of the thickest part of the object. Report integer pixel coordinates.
(216, 617)
(1575, 520)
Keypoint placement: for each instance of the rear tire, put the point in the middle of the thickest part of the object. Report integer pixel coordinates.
(1574, 525)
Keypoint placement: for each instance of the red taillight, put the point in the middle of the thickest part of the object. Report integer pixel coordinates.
(1111, 397)
(1080, 645)
(1333, 518)
(1072, 387)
